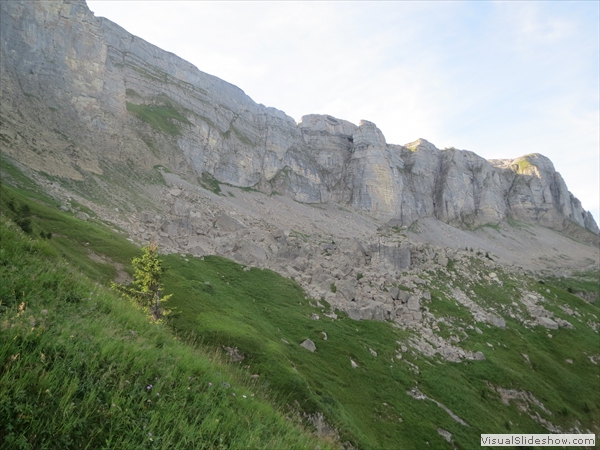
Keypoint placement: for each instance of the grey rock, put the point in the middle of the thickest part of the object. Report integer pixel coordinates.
(88, 69)
(414, 303)
(354, 313)
(403, 296)
(478, 356)
(497, 321)
(445, 434)
(249, 253)
(548, 323)
(309, 345)
(147, 217)
(180, 208)
(228, 224)
(347, 288)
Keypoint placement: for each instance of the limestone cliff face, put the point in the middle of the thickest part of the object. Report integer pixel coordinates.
(81, 96)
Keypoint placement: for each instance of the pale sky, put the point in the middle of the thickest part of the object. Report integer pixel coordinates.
(501, 79)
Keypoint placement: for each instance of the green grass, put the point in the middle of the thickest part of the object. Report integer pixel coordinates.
(73, 238)
(163, 118)
(210, 183)
(523, 164)
(586, 283)
(11, 174)
(254, 310)
(82, 368)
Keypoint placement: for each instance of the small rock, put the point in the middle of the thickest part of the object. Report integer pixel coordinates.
(478, 356)
(569, 361)
(309, 345)
(445, 434)
(414, 304)
(497, 321)
(373, 352)
(353, 364)
(548, 323)
(314, 316)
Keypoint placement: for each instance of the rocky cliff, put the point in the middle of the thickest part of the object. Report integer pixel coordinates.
(86, 101)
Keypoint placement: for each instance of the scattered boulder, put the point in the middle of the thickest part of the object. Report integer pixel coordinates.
(563, 323)
(309, 345)
(180, 208)
(228, 224)
(147, 217)
(548, 323)
(414, 303)
(497, 321)
(347, 288)
(403, 296)
(479, 356)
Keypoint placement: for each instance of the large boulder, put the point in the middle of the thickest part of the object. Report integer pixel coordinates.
(228, 224)
(309, 345)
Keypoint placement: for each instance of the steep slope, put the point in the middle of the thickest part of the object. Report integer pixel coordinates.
(82, 368)
(86, 101)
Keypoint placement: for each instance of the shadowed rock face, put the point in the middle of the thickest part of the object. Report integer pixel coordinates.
(81, 94)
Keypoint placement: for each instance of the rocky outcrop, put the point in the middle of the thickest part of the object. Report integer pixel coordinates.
(83, 97)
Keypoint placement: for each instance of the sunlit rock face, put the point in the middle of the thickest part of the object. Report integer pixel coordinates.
(82, 96)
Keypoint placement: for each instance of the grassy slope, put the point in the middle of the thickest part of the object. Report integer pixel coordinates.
(254, 310)
(77, 364)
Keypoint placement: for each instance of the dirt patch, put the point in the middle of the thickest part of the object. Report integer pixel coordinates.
(121, 277)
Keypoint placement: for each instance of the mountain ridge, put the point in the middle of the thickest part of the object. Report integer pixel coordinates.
(125, 102)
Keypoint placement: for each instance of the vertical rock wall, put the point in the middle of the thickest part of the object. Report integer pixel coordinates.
(124, 100)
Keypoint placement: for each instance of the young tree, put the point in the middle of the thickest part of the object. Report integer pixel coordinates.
(147, 286)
